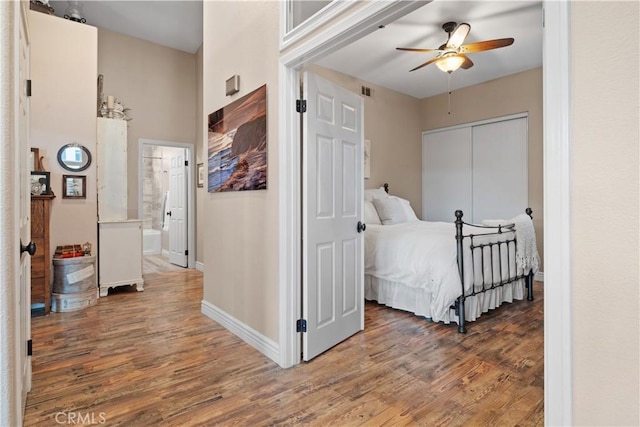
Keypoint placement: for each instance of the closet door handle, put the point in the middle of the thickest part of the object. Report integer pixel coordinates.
(361, 226)
(169, 213)
(30, 248)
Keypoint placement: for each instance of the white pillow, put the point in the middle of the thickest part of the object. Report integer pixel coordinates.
(390, 211)
(408, 210)
(370, 214)
(375, 193)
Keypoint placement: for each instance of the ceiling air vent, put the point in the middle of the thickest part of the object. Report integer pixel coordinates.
(365, 91)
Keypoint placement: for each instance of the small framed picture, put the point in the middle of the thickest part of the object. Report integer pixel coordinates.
(40, 183)
(74, 187)
(200, 175)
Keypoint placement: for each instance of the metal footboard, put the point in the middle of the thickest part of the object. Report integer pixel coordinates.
(484, 251)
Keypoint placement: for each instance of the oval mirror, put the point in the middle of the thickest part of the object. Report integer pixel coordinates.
(74, 157)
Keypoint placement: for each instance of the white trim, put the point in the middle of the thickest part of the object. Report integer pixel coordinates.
(10, 372)
(480, 122)
(191, 190)
(200, 266)
(249, 335)
(165, 253)
(362, 22)
(558, 370)
(303, 29)
(539, 277)
(289, 255)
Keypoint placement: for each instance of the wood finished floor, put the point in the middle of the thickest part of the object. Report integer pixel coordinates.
(151, 358)
(157, 264)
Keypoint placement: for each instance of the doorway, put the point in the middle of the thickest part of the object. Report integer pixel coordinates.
(557, 167)
(166, 204)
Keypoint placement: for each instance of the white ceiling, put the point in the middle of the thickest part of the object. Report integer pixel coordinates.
(374, 58)
(176, 24)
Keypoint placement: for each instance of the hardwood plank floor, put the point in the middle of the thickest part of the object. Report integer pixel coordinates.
(151, 358)
(157, 264)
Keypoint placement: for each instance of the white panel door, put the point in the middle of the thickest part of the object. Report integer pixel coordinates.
(446, 174)
(178, 211)
(333, 263)
(24, 293)
(500, 178)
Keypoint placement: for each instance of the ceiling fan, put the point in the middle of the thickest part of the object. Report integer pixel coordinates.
(452, 54)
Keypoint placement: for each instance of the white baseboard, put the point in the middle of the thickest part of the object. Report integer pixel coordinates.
(200, 266)
(249, 335)
(539, 276)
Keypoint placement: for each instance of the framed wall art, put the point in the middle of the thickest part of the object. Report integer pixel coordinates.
(200, 175)
(74, 187)
(40, 183)
(237, 144)
(367, 159)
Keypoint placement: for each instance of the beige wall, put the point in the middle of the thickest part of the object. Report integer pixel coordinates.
(63, 110)
(241, 232)
(605, 123)
(392, 124)
(201, 157)
(516, 93)
(158, 84)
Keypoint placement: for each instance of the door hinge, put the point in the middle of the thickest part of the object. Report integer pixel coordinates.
(29, 87)
(186, 252)
(186, 162)
(301, 105)
(301, 325)
(29, 348)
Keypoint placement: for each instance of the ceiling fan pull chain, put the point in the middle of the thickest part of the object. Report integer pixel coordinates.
(449, 96)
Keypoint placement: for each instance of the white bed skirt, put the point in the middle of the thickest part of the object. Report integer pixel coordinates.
(418, 300)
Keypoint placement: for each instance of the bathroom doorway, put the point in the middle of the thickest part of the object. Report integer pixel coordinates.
(166, 204)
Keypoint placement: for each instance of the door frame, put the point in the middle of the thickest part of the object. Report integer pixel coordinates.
(11, 410)
(190, 190)
(557, 186)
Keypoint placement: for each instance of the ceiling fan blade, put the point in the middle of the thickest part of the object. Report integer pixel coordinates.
(459, 35)
(468, 63)
(431, 61)
(413, 49)
(485, 45)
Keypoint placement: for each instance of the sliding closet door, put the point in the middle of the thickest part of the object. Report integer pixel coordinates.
(500, 187)
(446, 174)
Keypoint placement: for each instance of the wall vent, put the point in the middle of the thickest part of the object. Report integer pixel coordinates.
(365, 91)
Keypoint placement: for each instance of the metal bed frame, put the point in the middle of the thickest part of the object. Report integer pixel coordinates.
(486, 283)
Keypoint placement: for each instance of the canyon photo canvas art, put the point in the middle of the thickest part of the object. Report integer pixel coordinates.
(237, 149)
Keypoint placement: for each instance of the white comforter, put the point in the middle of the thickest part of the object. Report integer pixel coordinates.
(423, 254)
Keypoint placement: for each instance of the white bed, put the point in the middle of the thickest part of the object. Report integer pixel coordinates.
(412, 265)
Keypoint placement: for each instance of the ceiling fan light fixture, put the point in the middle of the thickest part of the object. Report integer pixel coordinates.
(450, 63)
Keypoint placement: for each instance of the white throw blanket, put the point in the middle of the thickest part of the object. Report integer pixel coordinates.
(526, 248)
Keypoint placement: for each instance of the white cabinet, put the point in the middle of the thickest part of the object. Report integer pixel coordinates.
(119, 238)
(478, 168)
(112, 169)
(120, 254)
